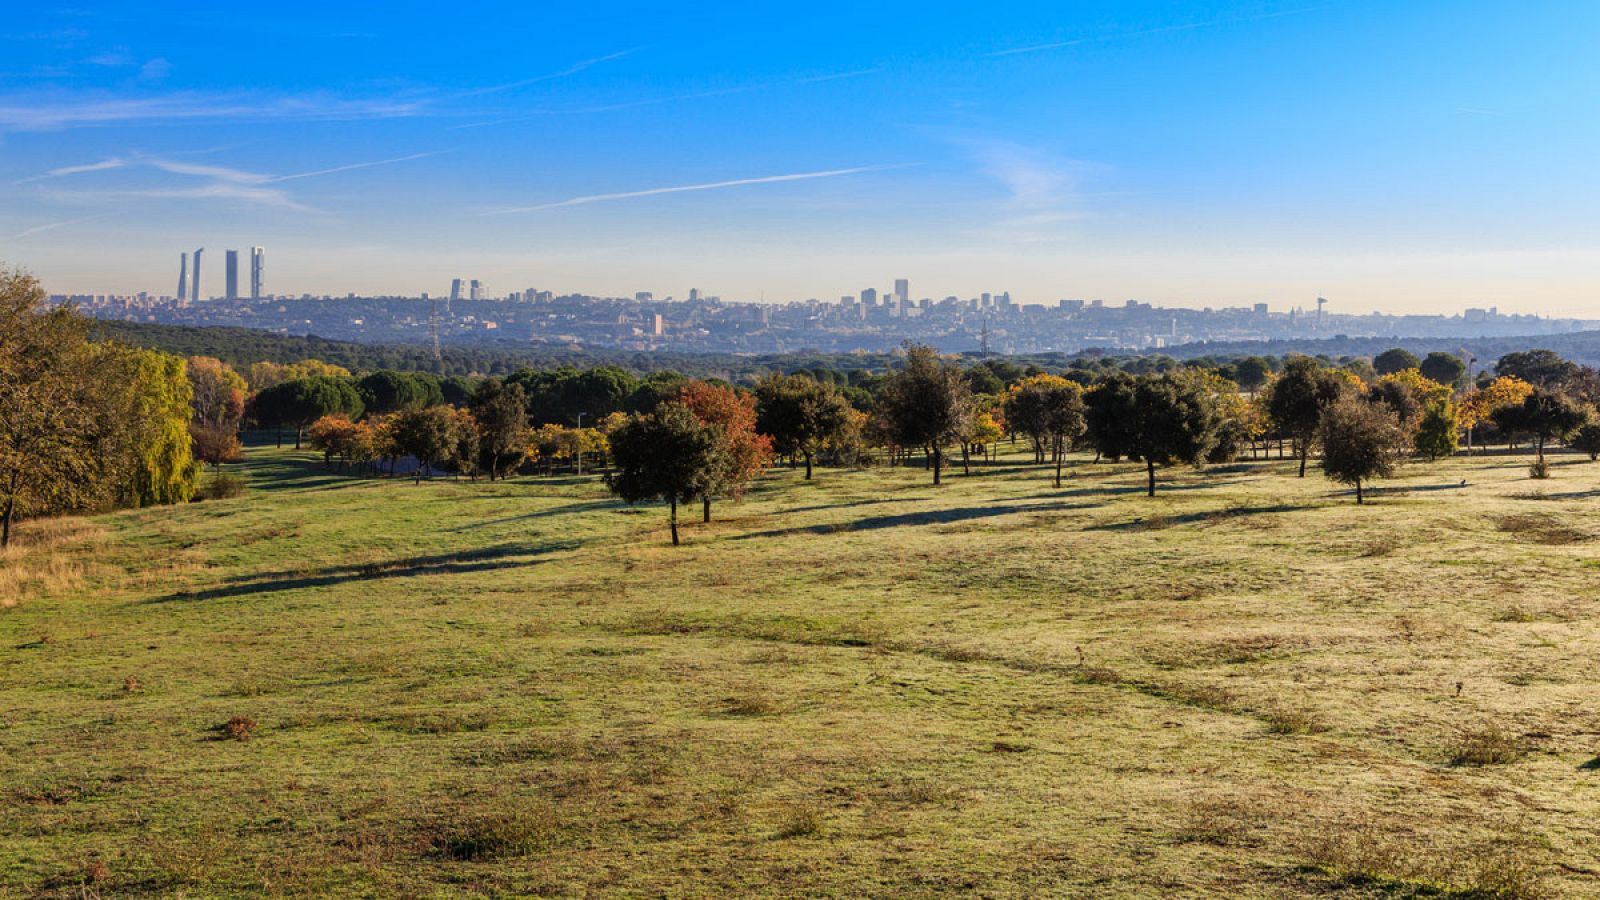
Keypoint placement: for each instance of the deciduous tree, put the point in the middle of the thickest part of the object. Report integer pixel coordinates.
(1360, 441)
(927, 404)
(743, 452)
(666, 455)
(801, 415)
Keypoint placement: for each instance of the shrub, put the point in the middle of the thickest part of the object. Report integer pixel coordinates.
(1539, 469)
(1489, 745)
(224, 487)
(239, 728)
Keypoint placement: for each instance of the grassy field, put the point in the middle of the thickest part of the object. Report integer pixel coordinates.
(1248, 686)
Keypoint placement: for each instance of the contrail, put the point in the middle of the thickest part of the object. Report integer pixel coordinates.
(738, 182)
(54, 225)
(360, 165)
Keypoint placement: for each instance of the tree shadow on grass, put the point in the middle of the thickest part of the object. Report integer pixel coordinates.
(1158, 521)
(507, 556)
(566, 509)
(931, 517)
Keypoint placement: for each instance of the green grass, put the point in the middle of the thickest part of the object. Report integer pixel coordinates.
(1247, 686)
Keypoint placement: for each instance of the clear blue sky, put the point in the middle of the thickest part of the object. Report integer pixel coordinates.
(1416, 156)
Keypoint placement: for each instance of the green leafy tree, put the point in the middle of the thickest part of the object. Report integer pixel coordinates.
(1397, 360)
(1445, 368)
(156, 401)
(1541, 368)
(1360, 442)
(1251, 373)
(1587, 438)
(927, 404)
(501, 412)
(1544, 416)
(1049, 410)
(801, 414)
(666, 455)
(428, 434)
(1161, 420)
(1439, 432)
(302, 401)
(1297, 398)
(385, 391)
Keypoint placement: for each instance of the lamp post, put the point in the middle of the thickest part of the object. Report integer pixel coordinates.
(577, 446)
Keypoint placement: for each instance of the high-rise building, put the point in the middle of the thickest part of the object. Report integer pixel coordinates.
(902, 290)
(694, 294)
(194, 285)
(258, 272)
(183, 276)
(477, 290)
(230, 265)
(455, 289)
(869, 296)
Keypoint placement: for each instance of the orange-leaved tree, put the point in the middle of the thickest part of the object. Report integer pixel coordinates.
(742, 452)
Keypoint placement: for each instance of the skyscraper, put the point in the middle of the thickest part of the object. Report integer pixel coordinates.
(455, 289)
(902, 290)
(183, 276)
(476, 291)
(231, 267)
(869, 296)
(194, 285)
(258, 271)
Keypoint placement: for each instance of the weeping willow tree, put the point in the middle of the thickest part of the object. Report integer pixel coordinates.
(158, 465)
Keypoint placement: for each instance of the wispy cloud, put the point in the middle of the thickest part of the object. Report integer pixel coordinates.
(1146, 32)
(52, 226)
(51, 116)
(1042, 190)
(685, 188)
(219, 173)
(220, 190)
(359, 165)
(569, 71)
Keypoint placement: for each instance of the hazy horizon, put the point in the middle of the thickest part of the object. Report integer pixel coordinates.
(1414, 160)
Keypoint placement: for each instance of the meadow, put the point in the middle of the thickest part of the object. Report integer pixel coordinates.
(1247, 686)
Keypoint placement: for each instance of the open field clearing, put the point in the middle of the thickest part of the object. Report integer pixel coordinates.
(1247, 686)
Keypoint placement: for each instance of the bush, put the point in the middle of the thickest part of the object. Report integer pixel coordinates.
(1490, 745)
(224, 487)
(1539, 469)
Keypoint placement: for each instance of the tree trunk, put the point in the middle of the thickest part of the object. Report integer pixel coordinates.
(808, 467)
(1305, 451)
(706, 509)
(966, 461)
(5, 522)
(279, 433)
(1150, 469)
(938, 463)
(674, 521)
(298, 431)
(1059, 454)
(1358, 492)
(1539, 447)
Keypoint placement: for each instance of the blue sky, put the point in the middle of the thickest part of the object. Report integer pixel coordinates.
(1421, 156)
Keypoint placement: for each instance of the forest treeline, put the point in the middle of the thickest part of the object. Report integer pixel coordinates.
(90, 424)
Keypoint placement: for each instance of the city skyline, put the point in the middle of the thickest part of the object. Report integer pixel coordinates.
(1189, 154)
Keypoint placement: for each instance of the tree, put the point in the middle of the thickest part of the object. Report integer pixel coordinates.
(1543, 415)
(300, 402)
(501, 412)
(50, 411)
(1445, 368)
(743, 452)
(666, 455)
(1390, 361)
(1251, 373)
(1541, 368)
(1159, 420)
(1439, 431)
(1297, 398)
(219, 391)
(1480, 403)
(429, 434)
(338, 436)
(1049, 410)
(149, 449)
(1360, 442)
(215, 444)
(386, 392)
(800, 414)
(1587, 438)
(926, 404)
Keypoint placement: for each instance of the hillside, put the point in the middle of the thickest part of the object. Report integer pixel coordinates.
(863, 684)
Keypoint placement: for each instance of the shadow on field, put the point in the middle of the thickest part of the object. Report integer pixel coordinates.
(1111, 491)
(932, 517)
(846, 504)
(1153, 522)
(507, 556)
(567, 509)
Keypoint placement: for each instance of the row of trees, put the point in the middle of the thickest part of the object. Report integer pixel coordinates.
(85, 424)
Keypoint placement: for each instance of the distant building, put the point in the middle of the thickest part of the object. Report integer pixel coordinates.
(643, 296)
(194, 284)
(902, 290)
(183, 276)
(455, 289)
(476, 290)
(694, 294)
(230, 265)
(869, 296)
(658, 324)
(258, 272)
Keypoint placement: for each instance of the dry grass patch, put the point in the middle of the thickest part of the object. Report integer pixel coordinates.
(1291, 719)
(1542, 529)
(1485, 745)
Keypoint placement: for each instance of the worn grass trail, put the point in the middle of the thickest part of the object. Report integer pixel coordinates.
(1248, 686)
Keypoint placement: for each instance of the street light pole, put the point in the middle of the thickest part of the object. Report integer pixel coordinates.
(577, 447)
